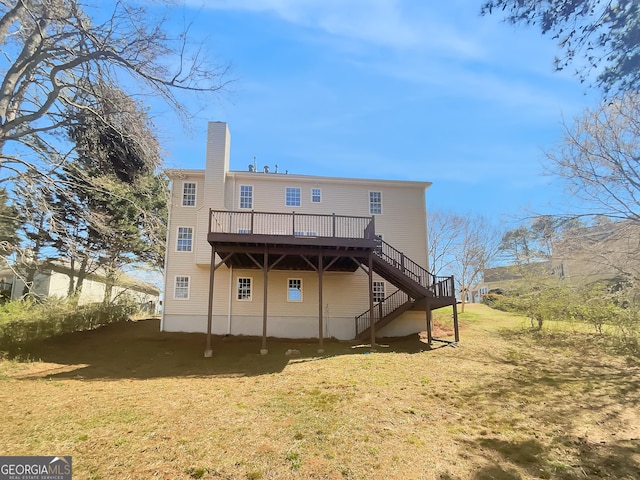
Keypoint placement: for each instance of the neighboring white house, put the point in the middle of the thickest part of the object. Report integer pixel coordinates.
(295, 256)
(52, 280)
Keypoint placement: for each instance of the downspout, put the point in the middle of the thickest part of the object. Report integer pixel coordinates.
(326, 321)
(166, 257)
(233, 207)
(233, 194)
(230, 302)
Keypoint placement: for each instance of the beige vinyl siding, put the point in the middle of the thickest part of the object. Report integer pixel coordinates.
(201, 245)
(181, 216)
(198, 291)
(344, 294)
(404, 222)
(184, 263)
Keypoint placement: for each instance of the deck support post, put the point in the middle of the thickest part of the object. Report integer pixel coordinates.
(371, 312)
(265, 270)
(208, 352)
(456, 330)
(320, 316)
(429, 321)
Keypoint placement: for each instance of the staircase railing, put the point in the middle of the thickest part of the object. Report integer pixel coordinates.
(403, 263)
(437, 286)
(381, 310)
(440, 286)
(443, 287)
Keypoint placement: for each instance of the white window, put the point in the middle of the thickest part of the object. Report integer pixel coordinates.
(375, 203)
(292, 197)
(316, 195)
(246, 196)
(244, 288)
(294, 290)
(378, 292)
(188, 194)
(181, 291)
(304, 233)
(185, 239)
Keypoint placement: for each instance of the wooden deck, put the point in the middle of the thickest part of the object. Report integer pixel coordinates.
(321, 243)
(298, 240)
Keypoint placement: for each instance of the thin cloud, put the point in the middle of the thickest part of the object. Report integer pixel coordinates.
(381, 23)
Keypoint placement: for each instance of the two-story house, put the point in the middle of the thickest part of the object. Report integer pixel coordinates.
(296, 256)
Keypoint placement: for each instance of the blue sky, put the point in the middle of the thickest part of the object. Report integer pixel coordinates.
(396, 89)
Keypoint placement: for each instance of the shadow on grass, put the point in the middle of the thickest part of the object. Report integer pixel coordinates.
(578, 341)
(564, 382)
(595, 461)
(495, 472)
(140, 350)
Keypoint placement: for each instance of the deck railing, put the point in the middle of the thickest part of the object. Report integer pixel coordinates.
(440, 286)
(291, 224)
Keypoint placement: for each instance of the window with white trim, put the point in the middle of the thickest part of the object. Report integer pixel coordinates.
(316, 195)
(378, 292)
(244, 288)
(375, 203)
(188, 194)
(294, 290)
(292, 197)
(181, 289)
(185, 239)
(246, 196)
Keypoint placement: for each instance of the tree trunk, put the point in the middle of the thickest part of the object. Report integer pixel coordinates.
(463, 295)
(82, 274)
(72, 279)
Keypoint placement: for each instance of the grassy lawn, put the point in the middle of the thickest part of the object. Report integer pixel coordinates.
(129, 402)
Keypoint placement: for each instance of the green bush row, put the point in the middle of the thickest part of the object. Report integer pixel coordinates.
(22, 322)
(603, 308)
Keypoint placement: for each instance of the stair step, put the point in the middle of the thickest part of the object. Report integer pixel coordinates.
(414, 281)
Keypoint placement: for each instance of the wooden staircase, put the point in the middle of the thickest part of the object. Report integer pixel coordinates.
(418, 288)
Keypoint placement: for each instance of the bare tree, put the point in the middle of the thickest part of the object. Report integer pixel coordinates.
(68, 84)
(599, 159)
(464, 245)
(475, 249)
(54, 56)
(443, 233)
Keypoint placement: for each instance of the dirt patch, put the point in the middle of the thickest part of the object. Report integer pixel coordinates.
(439, 330)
